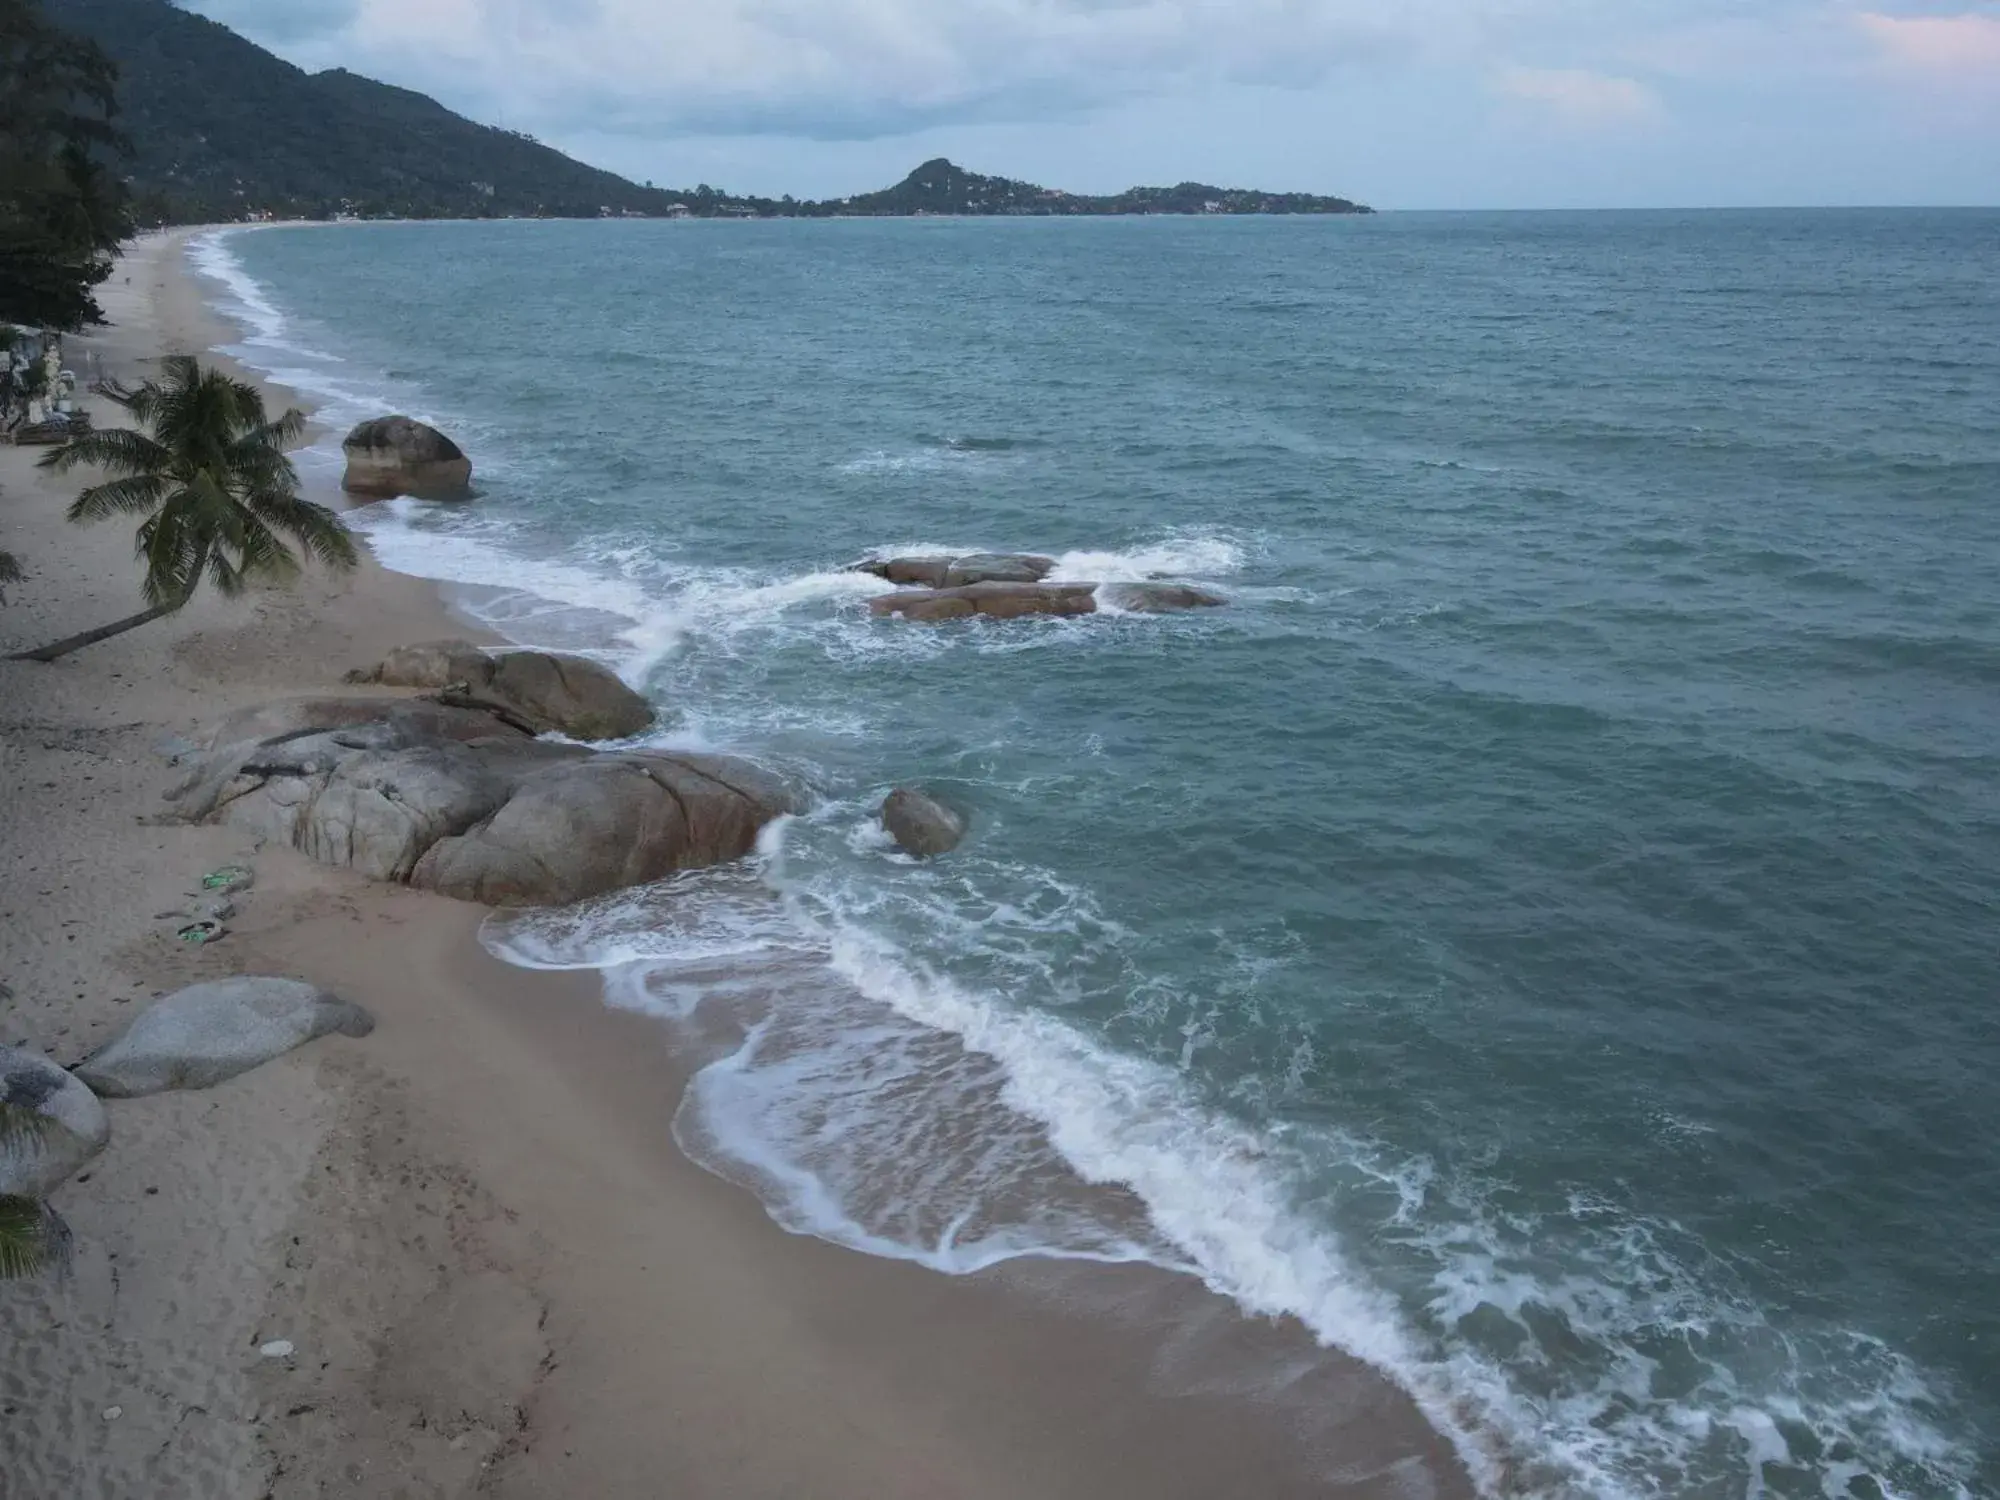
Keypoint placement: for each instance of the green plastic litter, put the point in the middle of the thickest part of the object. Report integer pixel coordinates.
(228, 878)
(200, 932)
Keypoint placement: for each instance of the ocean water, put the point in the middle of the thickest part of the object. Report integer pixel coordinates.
(1542, 934)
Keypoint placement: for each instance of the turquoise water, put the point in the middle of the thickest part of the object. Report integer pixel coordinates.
(1542, 934)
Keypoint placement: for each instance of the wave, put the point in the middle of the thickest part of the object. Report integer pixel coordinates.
(278, 346)
(872, 1099)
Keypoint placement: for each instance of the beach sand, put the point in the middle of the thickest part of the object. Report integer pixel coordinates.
(498, 1274)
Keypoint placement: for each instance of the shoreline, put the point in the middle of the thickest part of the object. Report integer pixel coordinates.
(499, 1271)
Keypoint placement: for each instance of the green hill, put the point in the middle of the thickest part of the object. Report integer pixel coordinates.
(939, 187)
(222, 129)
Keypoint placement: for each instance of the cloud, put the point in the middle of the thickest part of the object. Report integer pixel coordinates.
(1968, 43)
(1579, 97)
(839, 68)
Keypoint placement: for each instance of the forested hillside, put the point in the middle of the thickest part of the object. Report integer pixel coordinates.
(222, 129)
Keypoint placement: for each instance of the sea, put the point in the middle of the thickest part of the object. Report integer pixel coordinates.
(1543, 934)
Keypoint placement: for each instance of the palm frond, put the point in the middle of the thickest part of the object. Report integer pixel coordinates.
(316, 528)
(118, 449)
(33, 1237)
(21, 1126)
(142, 400)
(277, 435)
(10, 571)
(174, 555)
(134, 495)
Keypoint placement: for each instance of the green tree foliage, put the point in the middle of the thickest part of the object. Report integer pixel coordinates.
(62, 211)
(217, 496)
(221, 128)
(33, 1236)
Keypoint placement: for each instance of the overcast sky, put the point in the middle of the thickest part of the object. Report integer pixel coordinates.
(1400, 103)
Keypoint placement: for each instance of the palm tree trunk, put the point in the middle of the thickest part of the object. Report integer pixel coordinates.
(102, 633)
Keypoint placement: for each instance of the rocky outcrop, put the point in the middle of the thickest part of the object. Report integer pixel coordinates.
(998, 567)
(536, 691)
(923, 572)
(1157, 598)
(997, 601)
(1009, 601)
(957, 572)
(602, 824)
(390, 456)
(921, 824)
(200, 1036)
(455, 800)
(73, 1128)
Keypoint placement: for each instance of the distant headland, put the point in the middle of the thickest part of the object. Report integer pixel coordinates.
(223, 130)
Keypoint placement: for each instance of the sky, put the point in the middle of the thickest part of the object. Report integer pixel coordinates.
(1402, 104)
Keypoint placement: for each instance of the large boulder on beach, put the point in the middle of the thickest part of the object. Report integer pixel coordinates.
(538, 692)
(995, 601)
(71, 1129)
(390, 456)
(200, 1036)
(602, 824)
(921, 824)
(956, 572)
(468, 805)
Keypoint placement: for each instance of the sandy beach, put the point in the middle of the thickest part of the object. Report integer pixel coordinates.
(498, 1274)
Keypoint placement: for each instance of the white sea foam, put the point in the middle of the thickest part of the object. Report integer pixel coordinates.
(245, 297)
(1193, 554)
(872, 1100)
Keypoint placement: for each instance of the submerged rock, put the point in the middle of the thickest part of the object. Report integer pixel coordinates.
(999, 601)
(390, 456)
(453, 800)
(921, 824)
(73, 1128)
(535, 691)
(200, 1036)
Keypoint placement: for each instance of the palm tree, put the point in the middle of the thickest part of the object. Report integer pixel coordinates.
(210, 476)
(33, 1236)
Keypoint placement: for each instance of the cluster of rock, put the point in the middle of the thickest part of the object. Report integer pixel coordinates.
(1008, 586)
(455, 794)
(538, 692)
(391, 456)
